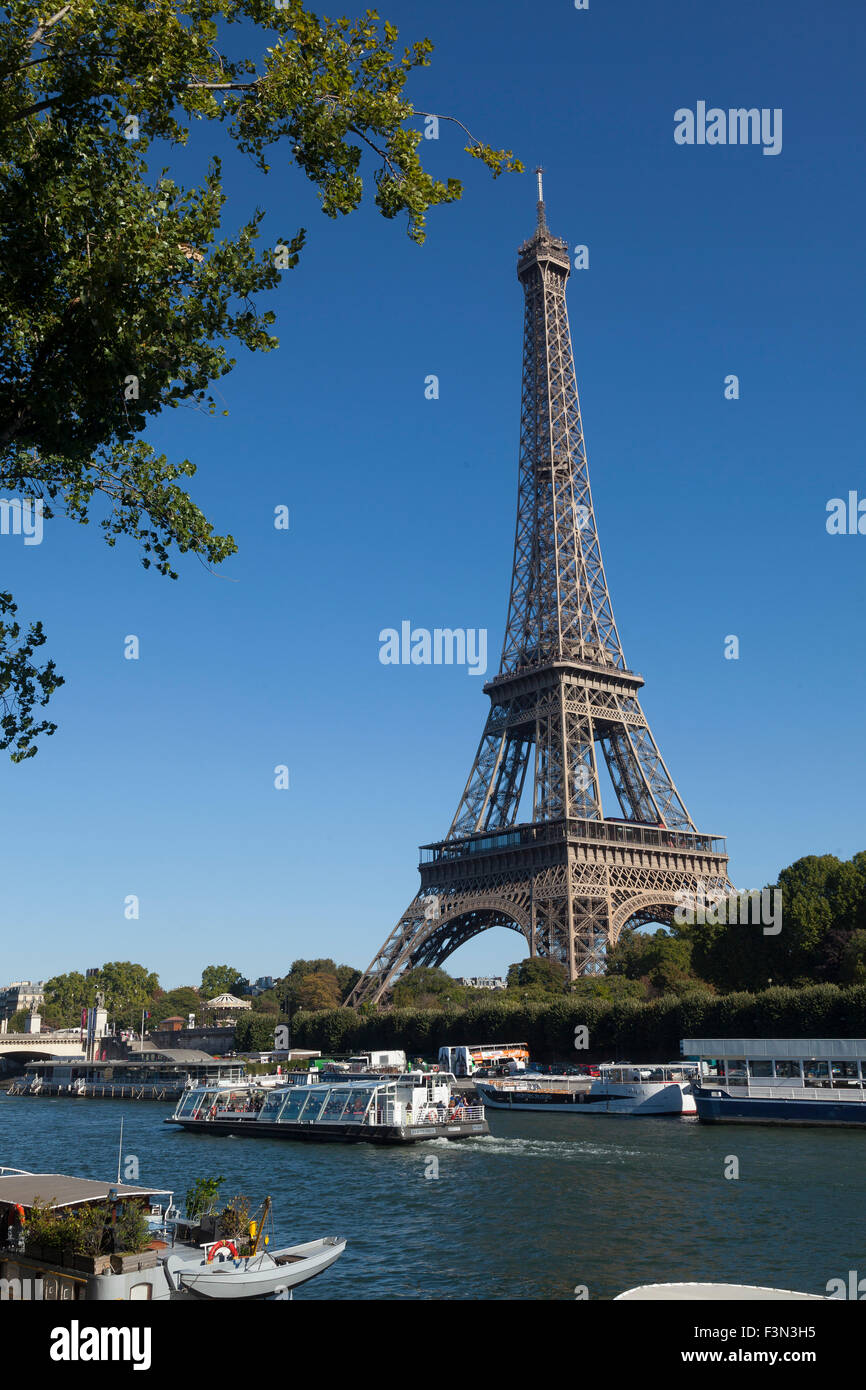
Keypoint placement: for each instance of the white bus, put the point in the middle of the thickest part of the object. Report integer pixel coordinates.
(466, 1059)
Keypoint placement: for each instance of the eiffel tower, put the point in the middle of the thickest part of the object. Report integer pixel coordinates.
(566, 876)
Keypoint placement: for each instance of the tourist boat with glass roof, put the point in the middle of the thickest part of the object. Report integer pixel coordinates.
(377, 1110)
(619, 1089)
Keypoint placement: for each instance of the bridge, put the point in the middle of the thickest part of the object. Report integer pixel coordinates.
(35, 1045)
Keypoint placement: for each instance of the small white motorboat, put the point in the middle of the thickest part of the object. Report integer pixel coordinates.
(220, 1273)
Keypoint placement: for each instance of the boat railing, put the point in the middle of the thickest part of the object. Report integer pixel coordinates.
(442, 1115)
(543, 1084)
(827, 1093)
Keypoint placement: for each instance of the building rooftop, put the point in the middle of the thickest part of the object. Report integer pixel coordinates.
(59, 1190)
(228, 1001)
(180, 1056)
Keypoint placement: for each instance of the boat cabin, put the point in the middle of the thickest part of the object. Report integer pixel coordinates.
(772, 1066)
(166, 1070)
(43, 1254)
(651, 1074)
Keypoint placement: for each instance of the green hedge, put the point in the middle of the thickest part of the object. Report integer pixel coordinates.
(624, 1030)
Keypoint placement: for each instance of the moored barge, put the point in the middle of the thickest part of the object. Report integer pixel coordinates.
(377, 1110)
(780, 1081)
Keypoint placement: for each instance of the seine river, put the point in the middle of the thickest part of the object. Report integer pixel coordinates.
(544, 1206)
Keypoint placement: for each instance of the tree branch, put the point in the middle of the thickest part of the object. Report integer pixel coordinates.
(41, 29)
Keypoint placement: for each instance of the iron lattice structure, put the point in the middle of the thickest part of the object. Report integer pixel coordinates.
(565, 876)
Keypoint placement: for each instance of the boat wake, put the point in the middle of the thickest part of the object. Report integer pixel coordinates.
(545, 1148)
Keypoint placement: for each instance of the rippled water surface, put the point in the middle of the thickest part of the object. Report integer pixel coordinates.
(543, 1205)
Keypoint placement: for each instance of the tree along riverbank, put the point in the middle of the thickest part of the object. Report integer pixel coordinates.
(616, 1030)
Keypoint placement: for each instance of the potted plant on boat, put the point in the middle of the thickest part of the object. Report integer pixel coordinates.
(90, 1256)
(234, 1223)
(131, 1240)
(42, 1235)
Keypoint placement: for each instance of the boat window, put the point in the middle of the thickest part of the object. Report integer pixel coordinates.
(234, 1100)
(711, 1067)
(735, 1068)
(188, 1104)
(788, 1070)
(760, 1067)
(295, 1102)
(845, 1071)
(337, 1101)
(816, 1073)
(273, 1105)
(205, 1101)
(358, 1102)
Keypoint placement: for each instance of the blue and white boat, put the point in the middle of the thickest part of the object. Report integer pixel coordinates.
(783, 1081)
(619, 1089)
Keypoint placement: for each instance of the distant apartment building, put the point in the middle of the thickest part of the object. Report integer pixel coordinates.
(482, 981)
(21, 994)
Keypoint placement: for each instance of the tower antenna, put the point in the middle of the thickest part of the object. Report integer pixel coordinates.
(542, 221)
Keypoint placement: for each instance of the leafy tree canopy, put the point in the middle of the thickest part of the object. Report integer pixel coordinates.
(537, 975)
(319, 990)
(67, 995)
(662, 960)
(425, 986)
(219, 979)
(179, 1002)
(255, 1033)
(121, 294)
(310, 982)
(128, 989)
(347, 978)
(823, 907)
(268, 1002)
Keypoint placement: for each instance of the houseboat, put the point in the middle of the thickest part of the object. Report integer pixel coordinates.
(47, 1257)
(151, 1074)
(786, 1081)
(383, 1110)
(619, 1089)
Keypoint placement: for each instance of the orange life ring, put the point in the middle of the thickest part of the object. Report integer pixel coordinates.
(229, 1245)
(20, 1211)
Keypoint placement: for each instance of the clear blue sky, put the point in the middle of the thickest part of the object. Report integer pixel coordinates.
(704, 261)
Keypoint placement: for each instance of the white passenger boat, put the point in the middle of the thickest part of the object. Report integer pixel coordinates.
(619, 1089)
(378, 1110)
